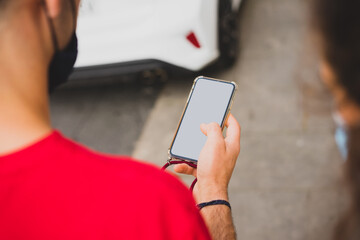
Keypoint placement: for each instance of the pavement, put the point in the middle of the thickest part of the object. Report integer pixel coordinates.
(287, 183)
(106, 115)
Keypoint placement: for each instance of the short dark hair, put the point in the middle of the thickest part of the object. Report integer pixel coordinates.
(338, 24)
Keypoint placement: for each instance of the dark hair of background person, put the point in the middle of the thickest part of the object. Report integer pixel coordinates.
(2, 4)
(337, 24)
(4, 7)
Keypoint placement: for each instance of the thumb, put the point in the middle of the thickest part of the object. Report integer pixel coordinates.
(212, 131)
(203, 128)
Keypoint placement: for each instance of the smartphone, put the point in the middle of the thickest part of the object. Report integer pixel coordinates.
(209, 101)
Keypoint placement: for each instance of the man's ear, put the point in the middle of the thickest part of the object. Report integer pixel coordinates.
(54, 7)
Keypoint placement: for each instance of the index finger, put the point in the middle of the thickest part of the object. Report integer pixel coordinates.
(233, 131)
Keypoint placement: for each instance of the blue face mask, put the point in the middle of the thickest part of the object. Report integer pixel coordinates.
(341, 135)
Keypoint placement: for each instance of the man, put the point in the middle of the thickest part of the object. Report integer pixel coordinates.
(53, 188)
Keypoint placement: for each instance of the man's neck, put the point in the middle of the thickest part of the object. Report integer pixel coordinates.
(24, 108)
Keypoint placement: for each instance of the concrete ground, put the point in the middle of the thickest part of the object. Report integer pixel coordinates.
(287, 182)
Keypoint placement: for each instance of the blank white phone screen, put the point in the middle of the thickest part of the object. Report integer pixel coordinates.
(208, 103)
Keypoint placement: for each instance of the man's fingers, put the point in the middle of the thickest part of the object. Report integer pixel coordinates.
(233, 132)
(185, 169)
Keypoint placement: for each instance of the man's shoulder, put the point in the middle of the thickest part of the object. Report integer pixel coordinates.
(118, 169)
(66, 182)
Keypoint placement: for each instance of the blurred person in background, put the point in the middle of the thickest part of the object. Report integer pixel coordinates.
(337, 28)
(54, 188)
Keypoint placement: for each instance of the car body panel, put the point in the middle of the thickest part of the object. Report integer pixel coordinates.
(117, 31)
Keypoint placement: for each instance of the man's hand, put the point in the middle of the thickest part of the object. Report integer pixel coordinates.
(214, 169)
(216, 161)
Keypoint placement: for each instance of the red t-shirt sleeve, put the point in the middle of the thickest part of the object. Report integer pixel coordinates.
(184, 221)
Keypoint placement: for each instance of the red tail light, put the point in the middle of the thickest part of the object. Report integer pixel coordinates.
(191, 37)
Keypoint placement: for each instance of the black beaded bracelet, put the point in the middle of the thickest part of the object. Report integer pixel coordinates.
(215, 202)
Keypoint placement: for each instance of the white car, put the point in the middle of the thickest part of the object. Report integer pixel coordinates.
(123, 36)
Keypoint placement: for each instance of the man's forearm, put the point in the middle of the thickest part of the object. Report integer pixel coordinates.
(219, 222)
(218, 218)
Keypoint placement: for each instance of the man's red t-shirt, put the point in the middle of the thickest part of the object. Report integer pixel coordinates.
(57, 189)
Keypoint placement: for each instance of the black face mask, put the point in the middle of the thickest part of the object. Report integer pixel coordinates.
(63, 61)
(62, 64)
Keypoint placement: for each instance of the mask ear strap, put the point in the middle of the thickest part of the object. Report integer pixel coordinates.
(175, 162)
(52, 28)
(73, 9)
